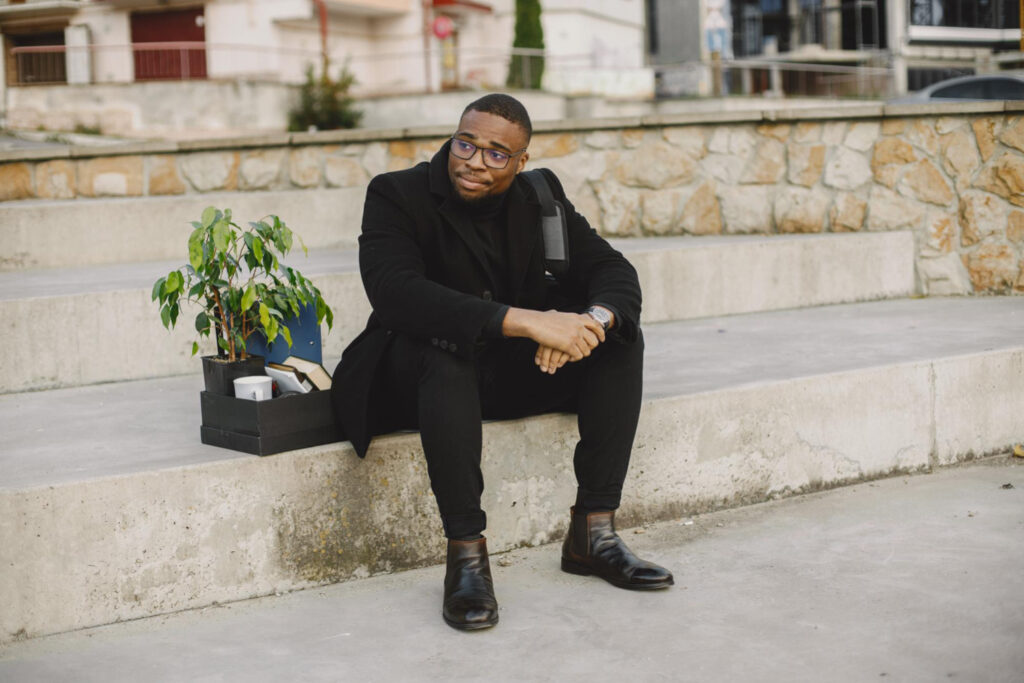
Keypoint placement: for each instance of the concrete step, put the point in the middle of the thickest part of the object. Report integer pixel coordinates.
(865, 582)
(111, 509)
(85, 232)
(108, 328)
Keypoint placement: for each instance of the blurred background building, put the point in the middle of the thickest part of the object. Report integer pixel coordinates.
(165, 65)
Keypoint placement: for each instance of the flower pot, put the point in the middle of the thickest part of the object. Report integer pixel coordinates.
(220, 375)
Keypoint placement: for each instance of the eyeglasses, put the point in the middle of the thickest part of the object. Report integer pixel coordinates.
(493, 158)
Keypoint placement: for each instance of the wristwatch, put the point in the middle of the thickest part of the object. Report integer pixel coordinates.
(601, 315)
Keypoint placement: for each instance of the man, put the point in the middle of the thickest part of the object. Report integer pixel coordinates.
(465, 328)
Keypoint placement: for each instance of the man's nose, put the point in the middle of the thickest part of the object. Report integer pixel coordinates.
(477, 160)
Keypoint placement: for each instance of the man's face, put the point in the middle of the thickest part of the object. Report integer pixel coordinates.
(472, 179)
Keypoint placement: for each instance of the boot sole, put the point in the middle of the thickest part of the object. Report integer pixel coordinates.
(578, 569)
(470, 627)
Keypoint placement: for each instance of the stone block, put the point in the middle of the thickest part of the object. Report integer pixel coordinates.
(344, 172)
(655, 166)
(620, 209)
(726, 168)
(806, 132)
(940, 236)
(702, 214)
(1015, 227)
(210, 171)
(862, 135)
(15, 181)
(944, 275)
(924, 182)
(739, 141)
(547, 145)
(163, 175)
(110, 177)
(922, 135)
(1004, 177)
(56, 180)
(981, 215)
(375, 158)
(305, 166)
(986, 130)
(261, 169)
(894, 126)
(847, 169)
(833, 132)
(960, 155)
(1013, 133)
(603, 139)
(889, 211)
(632, 137)
(798, 210)
(746, 209)
(778, 131)
(690, 139)
(947, 124)
(768, 166)
(847, 213)
(993, 268)
(806, 163)
(888, 159)
(660, 211)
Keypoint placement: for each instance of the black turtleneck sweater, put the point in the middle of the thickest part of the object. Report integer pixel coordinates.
(490, 229)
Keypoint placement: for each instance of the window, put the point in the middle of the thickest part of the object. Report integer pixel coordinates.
(965, 13)
(35, 63)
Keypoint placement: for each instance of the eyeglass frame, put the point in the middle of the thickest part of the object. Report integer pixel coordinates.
(483, 157)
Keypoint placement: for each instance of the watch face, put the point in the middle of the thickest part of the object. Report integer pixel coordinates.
(601, 316)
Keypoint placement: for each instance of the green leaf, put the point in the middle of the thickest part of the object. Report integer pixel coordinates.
(221, 235)
(209, 216)
(223, 343)
(249, 298)
(265, 320)
(165, 316)
(286, 333)
(195, 249)
(195, 348)
(257, 248)
(174, 282)
(202, 322)
(174, 314)
(158, 288)
(272, 330)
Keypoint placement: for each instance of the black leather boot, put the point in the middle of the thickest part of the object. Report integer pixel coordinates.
(593, 547)
(469, 602)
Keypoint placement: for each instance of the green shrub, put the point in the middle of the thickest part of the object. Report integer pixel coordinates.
(325, 103)
(523, 71)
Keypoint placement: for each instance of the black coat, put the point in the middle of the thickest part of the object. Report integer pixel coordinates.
(424, 279)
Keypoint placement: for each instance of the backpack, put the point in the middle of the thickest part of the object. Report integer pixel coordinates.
(554, 228)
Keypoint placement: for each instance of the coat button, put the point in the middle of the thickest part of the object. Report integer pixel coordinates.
(453, 348)
(487, 296)
(434, 341)
(444, 344)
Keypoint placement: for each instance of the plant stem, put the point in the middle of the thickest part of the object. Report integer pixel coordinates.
(223, 322)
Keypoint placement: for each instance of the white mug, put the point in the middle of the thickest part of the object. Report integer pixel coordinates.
(254, 388)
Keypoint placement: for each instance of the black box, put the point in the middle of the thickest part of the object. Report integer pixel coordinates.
(267, 427)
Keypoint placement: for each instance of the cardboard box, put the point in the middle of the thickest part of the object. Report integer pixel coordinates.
(267, 427)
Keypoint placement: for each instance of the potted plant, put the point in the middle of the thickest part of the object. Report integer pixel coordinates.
(236, 278)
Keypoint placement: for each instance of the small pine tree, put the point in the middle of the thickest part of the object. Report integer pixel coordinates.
(523, 71)
(325, 103)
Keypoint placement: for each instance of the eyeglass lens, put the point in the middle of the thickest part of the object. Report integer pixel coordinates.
(492, 157)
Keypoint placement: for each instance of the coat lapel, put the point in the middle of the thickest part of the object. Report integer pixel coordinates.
(523, 233)
(441, 186)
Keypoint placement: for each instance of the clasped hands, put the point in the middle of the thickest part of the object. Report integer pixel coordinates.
(561, 337)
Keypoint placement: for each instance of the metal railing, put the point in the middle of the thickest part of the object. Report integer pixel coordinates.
(375, 73)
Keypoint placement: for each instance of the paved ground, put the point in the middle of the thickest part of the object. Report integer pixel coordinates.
(906, 579)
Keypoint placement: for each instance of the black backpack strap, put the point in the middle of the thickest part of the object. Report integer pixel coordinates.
(552, 223)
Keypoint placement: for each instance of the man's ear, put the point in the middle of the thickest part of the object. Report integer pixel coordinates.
(522, 162)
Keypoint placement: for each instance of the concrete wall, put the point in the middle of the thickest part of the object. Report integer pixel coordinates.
(952, 174)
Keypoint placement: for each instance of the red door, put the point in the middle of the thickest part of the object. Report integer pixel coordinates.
(169, 62)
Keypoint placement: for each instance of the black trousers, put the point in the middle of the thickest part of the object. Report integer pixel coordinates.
(420, 386)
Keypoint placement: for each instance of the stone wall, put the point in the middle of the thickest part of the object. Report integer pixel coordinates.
(953, 174)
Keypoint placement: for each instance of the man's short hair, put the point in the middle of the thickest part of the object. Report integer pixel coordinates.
(505, 106)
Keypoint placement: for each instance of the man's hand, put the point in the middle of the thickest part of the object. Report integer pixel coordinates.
(571, 334)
